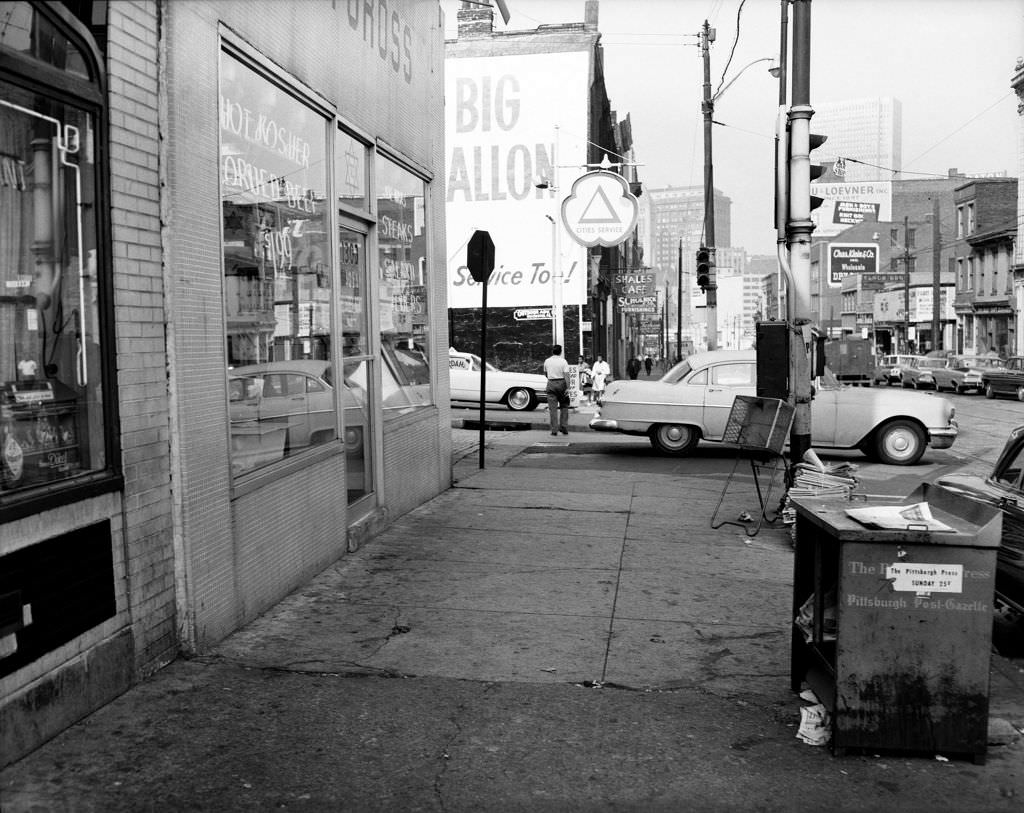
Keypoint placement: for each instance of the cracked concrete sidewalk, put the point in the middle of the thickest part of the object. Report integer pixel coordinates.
(542, 636)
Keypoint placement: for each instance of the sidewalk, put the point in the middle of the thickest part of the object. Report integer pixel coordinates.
(542, 636)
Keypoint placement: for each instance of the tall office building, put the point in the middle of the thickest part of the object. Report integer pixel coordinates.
(870, 131)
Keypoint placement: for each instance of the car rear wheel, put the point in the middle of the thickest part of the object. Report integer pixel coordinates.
(521, 399)
(899, 443)
(674, 438)
(1020, 393)
(989, 392)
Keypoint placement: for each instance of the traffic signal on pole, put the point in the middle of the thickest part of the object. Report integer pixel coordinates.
(705, 268)
(816, 170)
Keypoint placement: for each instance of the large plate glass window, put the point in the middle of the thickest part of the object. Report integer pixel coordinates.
(277, 276)
(53, 420)
(402, 283)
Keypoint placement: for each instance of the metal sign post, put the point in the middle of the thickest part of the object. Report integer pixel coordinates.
(480, 262)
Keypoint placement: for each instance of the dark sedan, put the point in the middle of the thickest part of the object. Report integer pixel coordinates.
(1004, 489)
(1009, 380)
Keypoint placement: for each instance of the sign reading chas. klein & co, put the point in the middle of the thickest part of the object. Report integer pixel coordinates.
(851, 258)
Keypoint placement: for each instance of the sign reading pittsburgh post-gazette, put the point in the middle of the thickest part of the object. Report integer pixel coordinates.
(851, 258)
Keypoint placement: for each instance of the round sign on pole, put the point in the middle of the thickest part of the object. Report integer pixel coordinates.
(600, 209)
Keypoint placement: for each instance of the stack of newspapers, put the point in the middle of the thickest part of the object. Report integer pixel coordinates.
(812, 478)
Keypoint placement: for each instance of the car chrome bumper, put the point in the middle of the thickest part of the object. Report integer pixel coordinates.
(943, 438)
(600, 424)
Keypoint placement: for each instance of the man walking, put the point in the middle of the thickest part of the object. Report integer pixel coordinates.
(556, 369)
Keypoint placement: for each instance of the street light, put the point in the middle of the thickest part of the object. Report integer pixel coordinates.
(774, 70)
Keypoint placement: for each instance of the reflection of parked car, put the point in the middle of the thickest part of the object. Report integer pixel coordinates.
(919, 374)
(518, 391)
(1009, 380)
(889, 368)
(1003, 488)
(692, 402)
(281, 407)
(964, 373)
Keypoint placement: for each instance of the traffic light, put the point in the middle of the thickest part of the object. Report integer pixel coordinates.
(816, 170)
(705, 268)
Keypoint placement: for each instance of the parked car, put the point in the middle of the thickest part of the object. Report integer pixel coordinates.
(692, 402)
(889, 368)
(964, 373)
(518, 391)
(1004, 489)
(1008, 380)
(919, 374)
(280, 407)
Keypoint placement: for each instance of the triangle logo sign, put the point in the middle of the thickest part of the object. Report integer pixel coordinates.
(599, 211)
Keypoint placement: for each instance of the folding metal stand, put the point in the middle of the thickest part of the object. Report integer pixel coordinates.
(759, 427)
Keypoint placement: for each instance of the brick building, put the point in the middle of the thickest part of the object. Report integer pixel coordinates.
(516, 141)
(222, 322)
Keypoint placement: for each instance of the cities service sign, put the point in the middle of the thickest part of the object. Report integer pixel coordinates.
(600, 209)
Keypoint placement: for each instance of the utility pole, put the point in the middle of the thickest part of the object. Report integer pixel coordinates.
(798, 231)
(936, 276)
(679, 306)
(708, 108)
(906, 283)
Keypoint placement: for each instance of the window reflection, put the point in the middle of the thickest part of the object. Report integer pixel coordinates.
(51, 393)
(277, 281)
(402, 279)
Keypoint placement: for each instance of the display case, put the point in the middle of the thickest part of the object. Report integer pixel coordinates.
(893, 626)
(39, 434)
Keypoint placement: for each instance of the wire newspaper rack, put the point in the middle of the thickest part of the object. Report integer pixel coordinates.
(759, 427)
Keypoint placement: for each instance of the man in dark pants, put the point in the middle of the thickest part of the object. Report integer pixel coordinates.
(556, 369)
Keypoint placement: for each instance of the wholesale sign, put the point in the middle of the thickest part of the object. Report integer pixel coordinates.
(851, 258)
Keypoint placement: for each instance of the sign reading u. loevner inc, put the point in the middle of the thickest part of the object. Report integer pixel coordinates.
(851, 258)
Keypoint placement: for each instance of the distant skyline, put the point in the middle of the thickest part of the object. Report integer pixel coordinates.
(949, 62)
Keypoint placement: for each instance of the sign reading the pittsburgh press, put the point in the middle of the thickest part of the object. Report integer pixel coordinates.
(851, 258)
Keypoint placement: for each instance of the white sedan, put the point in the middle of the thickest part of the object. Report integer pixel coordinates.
(692, 402)
(518, 391)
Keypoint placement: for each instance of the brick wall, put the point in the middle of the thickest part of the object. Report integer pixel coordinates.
(132, 63)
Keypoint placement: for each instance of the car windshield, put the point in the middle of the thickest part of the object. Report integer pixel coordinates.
(932, 363)
(677, 372)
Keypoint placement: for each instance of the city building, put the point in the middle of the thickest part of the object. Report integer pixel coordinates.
(985, 232)
(222, 322)
(677, 230)
(866, 133)
(1017, 83)
(517, 141)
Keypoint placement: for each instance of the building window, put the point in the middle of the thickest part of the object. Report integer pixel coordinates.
(277, 273)
(911, 238)
(402, 295)
(961, 274)
(970, 218)
(56, 413)
(894, 238)
(959, 221)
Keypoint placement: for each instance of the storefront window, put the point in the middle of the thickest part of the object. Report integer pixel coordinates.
(52, 424)
(402, 279)
(350, 171)
(277, 277)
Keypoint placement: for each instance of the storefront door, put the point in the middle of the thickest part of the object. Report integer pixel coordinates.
(358, 374)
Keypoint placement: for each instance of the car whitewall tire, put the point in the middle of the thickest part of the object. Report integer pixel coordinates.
(674, 438)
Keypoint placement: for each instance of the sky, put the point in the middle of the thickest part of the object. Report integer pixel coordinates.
(949, 62)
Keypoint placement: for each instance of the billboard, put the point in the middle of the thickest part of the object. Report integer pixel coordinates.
(851, 258)
(847, 204)
(510, 120)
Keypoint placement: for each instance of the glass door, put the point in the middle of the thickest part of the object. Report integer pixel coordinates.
(358, 374)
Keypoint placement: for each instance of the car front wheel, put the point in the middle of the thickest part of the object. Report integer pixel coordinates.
(1020, 393)
(674, 438)
(521, 399)
(899, 443)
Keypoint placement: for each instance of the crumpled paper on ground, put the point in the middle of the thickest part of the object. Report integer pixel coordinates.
(815, 725)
